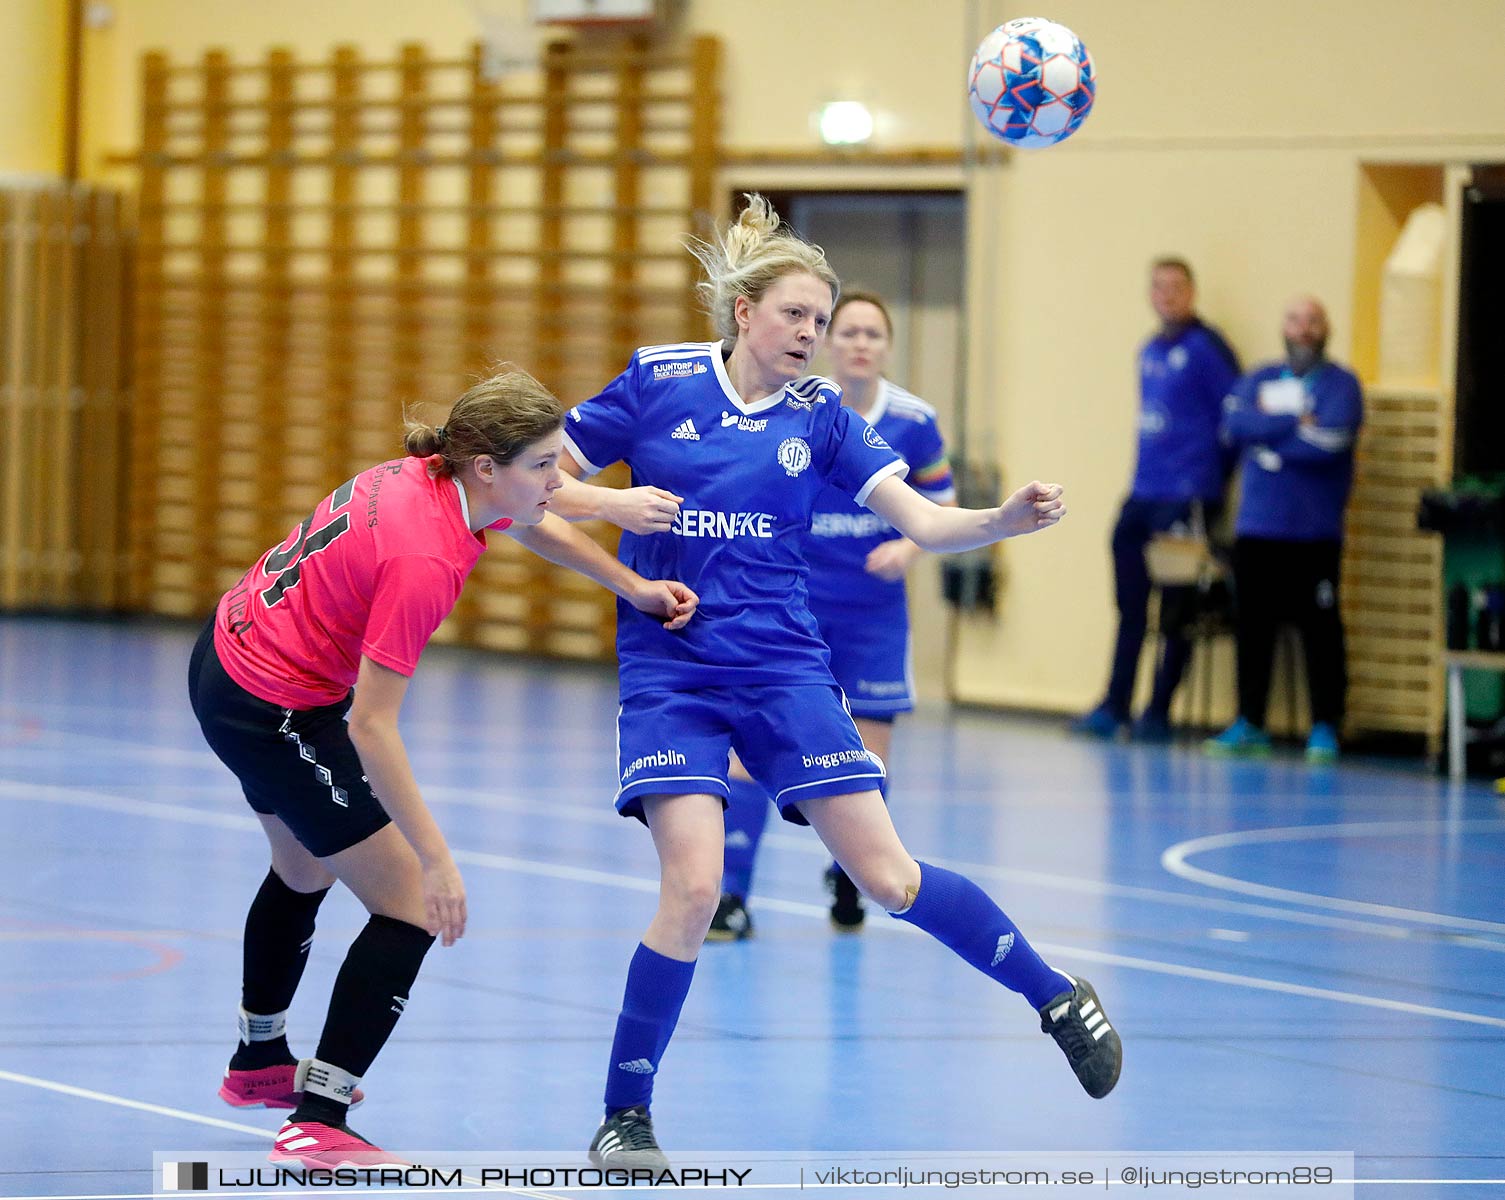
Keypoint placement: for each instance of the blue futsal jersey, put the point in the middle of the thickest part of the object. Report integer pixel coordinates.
(843, 533)
(1182, 381)
(1297, 473)
(749, 475)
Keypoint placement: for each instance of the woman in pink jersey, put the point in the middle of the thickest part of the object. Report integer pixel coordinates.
(350, 599)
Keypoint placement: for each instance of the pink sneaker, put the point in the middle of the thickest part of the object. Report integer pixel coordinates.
(269, 1087)
(315, 1144)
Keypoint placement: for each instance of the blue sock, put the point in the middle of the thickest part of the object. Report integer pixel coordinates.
(746, 815)
(958, 914)
(656, 990)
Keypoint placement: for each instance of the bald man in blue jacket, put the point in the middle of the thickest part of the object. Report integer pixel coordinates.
(1294, 424)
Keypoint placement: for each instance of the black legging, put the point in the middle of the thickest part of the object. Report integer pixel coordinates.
(1139, 521)
(1297, 582)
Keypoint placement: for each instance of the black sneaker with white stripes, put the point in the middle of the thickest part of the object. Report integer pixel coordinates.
(732, 922)
(1080, 1026)
(626, 1140)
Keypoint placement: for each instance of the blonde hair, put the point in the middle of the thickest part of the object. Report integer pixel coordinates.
(756, 250)
(501, 416)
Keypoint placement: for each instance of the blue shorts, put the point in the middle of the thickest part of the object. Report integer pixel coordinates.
(869, 657)
(798, 742)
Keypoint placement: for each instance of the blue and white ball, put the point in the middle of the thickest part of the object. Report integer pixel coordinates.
(1032, 82)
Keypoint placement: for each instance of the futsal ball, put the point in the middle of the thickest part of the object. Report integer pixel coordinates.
(1032, 82)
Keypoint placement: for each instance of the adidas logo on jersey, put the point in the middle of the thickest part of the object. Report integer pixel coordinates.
(1005, 944)
(638, 1066)
(685, 431)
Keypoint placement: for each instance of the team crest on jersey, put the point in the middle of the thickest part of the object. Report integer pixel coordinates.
(794, 455)
(681, 368)
(874, 439)
(1176, 358)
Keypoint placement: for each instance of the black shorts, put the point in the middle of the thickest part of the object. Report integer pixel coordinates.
(295, 764)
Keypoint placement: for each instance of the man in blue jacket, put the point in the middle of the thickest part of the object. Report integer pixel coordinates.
(1185, 370)
(1293, 424)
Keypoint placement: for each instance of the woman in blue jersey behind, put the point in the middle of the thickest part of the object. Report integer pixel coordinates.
(747, 440)
(856, 593)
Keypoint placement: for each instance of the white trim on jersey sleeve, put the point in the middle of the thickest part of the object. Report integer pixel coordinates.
(1334, 441)
(903, 403)
(578, 456)
(898, 467)
(880, 403)
(808, 385)
(651, 354)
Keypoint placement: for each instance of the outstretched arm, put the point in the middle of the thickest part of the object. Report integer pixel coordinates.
(891, 560)
(637, 510)
(1033, 507)
(561, 543)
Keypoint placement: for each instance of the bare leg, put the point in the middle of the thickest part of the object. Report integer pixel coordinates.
(294, 865)
(858, 831)
(687, 833)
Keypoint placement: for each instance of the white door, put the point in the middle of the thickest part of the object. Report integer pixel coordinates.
(908, 248)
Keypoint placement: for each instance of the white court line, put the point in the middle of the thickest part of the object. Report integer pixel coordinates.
(812, 846)
(610, 879)
(80, 798)
(1270, 985)
(69, 741)
(650, 886)
(65, 1089)
(746, 1187)
(1174, 861)
(527, 866)
(597, 815)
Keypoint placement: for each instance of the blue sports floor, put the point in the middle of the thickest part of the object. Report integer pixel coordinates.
(1298, 960)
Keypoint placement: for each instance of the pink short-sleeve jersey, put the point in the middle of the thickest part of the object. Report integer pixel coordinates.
(373, 571)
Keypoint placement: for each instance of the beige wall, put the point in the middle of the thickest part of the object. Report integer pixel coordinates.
(33, 39)
(1070, 235)
(1233, 134)
(784, 57)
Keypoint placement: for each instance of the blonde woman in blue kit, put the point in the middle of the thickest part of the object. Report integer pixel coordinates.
(748, 439)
